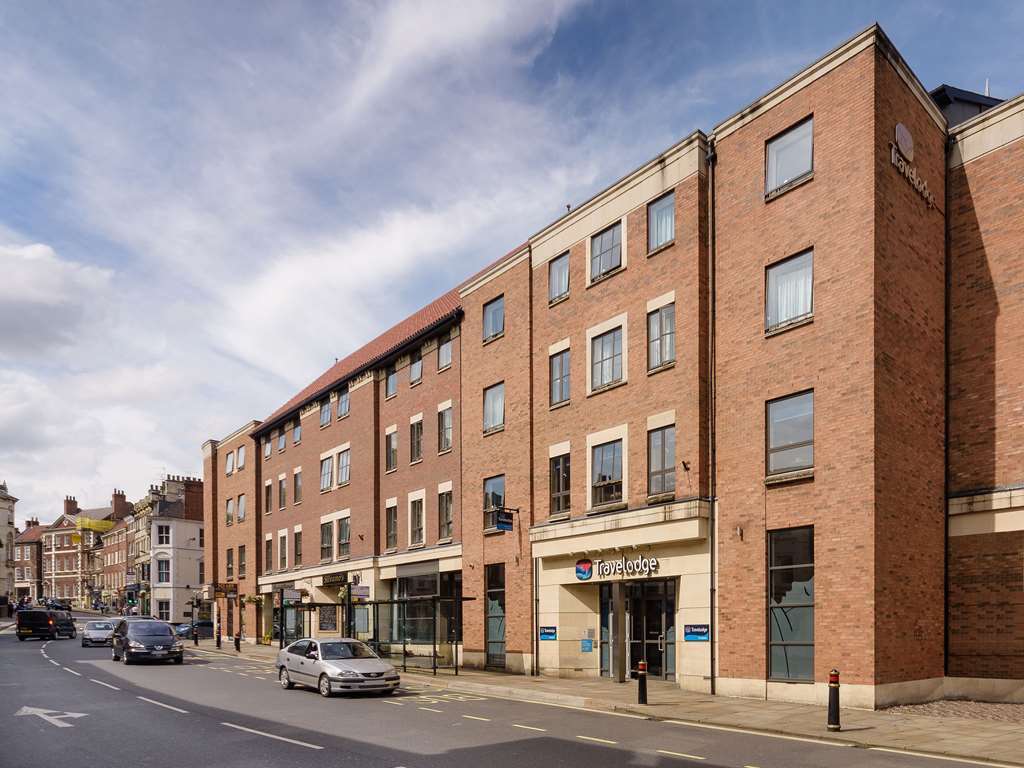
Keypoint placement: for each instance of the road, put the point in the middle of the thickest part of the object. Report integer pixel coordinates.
(230, 712)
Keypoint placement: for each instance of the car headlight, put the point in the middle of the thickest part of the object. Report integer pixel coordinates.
(135, 644)
(344, 673)
(177, 646)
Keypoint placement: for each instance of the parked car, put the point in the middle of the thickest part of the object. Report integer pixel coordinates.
(58, 605)
(46, 624)
(185, 630)
(342, 665)
(148, 639)
(97, 633)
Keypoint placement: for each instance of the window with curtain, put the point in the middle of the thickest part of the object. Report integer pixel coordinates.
(606, 359)
(606, 251)
(326, 472)
(344, 466)
(606, 473)
(241, 457)
(661, 221)
(790, 443)
(229, 464)
(444, 352)
(558, 277)
(494, 407)
(559, 369)
(343, 403)
(229, 511)
(390, 382)
(661, 336)
(790, 156)
(444, 430)
(494, 318)
(789, 290)
(241, 507)
(325, 413)
(415, 366)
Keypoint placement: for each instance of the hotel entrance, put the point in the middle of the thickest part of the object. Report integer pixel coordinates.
(650, 627)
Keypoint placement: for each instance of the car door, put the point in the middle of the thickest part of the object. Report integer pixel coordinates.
(308, 663)
(296, 653)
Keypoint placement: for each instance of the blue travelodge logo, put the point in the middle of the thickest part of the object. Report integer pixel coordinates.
(584, 569)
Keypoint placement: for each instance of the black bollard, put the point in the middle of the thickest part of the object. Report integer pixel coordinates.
(218, 633)
(641, 682)
(195, 636)
(238, 642)
(833, 700)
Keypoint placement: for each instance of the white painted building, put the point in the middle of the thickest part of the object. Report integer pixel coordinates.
(7, 536)
(176, 562)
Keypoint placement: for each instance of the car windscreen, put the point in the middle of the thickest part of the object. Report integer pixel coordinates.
(346, 650)
(99, 626)
(33, 617)
(149, 630)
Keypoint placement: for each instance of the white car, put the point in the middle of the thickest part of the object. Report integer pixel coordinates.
(335, 665)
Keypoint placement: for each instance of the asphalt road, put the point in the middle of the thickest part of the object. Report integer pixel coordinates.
(224, 711)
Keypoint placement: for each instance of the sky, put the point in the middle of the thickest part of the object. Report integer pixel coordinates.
(202, 205)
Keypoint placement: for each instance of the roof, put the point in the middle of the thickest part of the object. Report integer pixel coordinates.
(947, 94)
(30, 534)
(436, 312)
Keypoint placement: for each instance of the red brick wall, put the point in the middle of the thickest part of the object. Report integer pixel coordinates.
(909, 321)
(986, 605)
(504, 359)
(834, 356)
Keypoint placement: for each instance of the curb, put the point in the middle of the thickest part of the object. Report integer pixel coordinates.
(585, 702)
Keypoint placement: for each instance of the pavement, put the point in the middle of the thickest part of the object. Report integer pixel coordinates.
(948, 729)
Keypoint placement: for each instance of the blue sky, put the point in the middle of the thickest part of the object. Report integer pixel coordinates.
(205, 204)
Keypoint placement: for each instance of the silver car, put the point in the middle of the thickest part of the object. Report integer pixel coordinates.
(331, 666)
(97, 633)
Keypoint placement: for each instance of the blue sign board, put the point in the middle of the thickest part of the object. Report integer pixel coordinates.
(549, 633)
(586, 646)
(504, 520)
(696, 632)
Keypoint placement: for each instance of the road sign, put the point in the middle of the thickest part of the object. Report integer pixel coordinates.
(52, 716)
(504, 520)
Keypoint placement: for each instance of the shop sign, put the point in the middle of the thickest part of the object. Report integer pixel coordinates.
(901, 155)
(504, 521)
(360, 591)
(549, 633)
(586, 646)
(335, 579)
(696, 633)
(637, 566)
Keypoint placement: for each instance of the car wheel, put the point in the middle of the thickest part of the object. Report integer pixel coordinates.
(113, 654)
(125, 660)
(21, 638)
(390, 691)
(179, 660)
(285, 679)
(324, 686)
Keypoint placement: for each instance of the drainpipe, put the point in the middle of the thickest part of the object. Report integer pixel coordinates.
(945, 448)
(712, 517)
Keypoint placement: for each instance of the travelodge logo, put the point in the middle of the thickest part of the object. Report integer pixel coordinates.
(905, 142)
(584, 569)
(901, 152)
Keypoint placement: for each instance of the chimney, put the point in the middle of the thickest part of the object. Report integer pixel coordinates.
(32, 522)
(70, 505)
(119, 506)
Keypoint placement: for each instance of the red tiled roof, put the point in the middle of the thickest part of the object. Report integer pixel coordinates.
(389, 341)
(30, 534)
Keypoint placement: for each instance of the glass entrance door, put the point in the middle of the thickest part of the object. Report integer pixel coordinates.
(651, 607)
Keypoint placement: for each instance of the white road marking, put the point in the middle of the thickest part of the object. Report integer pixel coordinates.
(108, 685)
(394, 703)
(55, 663)
(428, 709)
(762, 733)
(66, 669)
(272, 736)
(474, 717)
(529, 728)
(161, 704)
(681, 754)
(52, 716)
(941, 757)
(242, 674)
(599, 741)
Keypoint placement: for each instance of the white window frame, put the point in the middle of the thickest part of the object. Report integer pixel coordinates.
(624, 261)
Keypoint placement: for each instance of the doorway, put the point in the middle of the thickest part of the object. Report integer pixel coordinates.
(650, 627)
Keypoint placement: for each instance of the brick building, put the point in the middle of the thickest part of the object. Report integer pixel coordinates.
(28, 562)
(750, 413)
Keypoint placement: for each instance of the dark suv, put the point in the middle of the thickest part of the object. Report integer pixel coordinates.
(45, 624)
(135, 640)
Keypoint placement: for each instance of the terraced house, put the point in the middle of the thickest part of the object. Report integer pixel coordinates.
(748, 414)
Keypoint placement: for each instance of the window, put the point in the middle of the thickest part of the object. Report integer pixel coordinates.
(241, 508)
(415, 367)
(494, 498)
(390, 382)
(661, 336)
(241, 457)
(791, 604)
(790, 156)
(391, 523)
(444, 430)
(444, 352)
(297, 434)
(343, 403)
(416, 441)
(297, 555)
(163, 533)
(201, 537)
(606, 359)
(268, 556)
(606, 251)
(415, 522)
(558, 278)
(494, 629)
(163, 610)
(560, 501)
(280, 439)
(606, 478)
(790, 443)
(661, 222)
(282, 552)
(266, 448)
(229, 511)
(444, 515)
(325, 413)
(326, 473)
(494, 407)
(202, 572)
(326, 540)
(229, 463)
(494, 318)
(661, 461)
(344, 467)
(268, 501)
(344, 535)
(297, 488)
(229, 564)
(391, 451)
(789, 290)
(558, 365)
(281, 493)
(241, 561)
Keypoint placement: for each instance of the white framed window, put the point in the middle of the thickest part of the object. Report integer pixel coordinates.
(661, 221)
(343, 403)
(391, 451)
(229, 511)
(163, 534)
(789, 157)
(241, 457)
(606, 251)
(163, 610)
(607, 353)
(229, 463)
(163, 571)
(661, 336)
(444, 429)
(241, 507)
(494, 407)
(494, 318)
(344, 536)
(558, 278)
(344, 466)
(444, 352)
(281, 439)
(416, 519)
(326, 473)
(415, 367)
(325, 413)
(789, 285)
(297, 433)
